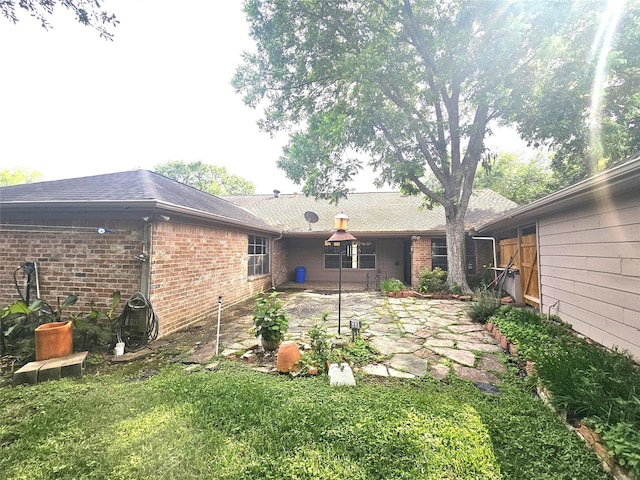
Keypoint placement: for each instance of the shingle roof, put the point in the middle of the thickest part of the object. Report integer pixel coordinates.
(131, 186)
(384, 212)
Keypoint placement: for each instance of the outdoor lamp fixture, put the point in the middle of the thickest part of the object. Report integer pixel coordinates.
(336, 240)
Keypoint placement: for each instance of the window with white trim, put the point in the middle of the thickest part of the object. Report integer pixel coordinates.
(258, 263)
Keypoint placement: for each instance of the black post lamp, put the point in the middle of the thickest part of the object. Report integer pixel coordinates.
(341, 235)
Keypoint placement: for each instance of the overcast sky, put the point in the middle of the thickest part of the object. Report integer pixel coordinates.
(74, 104)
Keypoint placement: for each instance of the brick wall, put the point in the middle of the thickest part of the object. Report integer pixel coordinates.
(72, 258)
(420, 259)
(279, 252)
(191, 266)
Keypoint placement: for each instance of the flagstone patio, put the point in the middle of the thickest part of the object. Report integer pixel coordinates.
(417, 336)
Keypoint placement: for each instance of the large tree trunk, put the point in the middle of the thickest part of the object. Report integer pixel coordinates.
(456, 257)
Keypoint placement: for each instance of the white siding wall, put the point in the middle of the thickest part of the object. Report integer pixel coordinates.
(590, 263)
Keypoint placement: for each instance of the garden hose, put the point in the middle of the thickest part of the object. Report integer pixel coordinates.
(137, 325)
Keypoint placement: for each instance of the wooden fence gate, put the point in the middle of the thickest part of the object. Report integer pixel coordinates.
(524, 251)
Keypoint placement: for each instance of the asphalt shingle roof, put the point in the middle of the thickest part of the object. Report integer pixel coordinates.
(131, 186)
(384, 212)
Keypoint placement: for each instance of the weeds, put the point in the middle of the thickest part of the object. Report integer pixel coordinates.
(589, 382)
(487, 303)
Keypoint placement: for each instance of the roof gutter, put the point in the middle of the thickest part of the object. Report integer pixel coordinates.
(618, 179)
(131, 206)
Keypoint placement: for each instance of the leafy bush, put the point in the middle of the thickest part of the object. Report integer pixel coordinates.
(433, 281)
(320, 346)
(269, 318)
(18, 323)
(392, 285)
(95, 329)
(487, 303)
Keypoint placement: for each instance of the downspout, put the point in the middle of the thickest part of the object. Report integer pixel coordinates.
(273, 280)
(495, 258)
(147, 239)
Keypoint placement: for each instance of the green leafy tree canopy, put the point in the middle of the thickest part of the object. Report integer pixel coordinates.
(586, 103)
(518, 180)
(16, 176)
(208, 178)
(411, 84)
(87, 12)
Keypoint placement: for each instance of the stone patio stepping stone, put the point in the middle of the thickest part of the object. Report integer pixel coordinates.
(377, 370)
(439, 342)
(480, 347)
(458, 337)
(399, 374)
(463, 357)
(425, 332)
(250, 344)
(439, 371)
(410, 328)
(442, 322)
(466, 328)
(387, 346)
(409, 363)
(427, 354)
(383, 328)
(385, 319)
(492, 364)
(475, 375)
(202, 354)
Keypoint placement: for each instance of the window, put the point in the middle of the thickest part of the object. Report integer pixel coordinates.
(354, 255)
(258, 255)
(439, 254)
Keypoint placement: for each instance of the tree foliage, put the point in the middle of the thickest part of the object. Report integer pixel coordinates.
(519, 181)
(586, 104)
(208, 178)
(16, 176)
(87, 12)
(411, 84)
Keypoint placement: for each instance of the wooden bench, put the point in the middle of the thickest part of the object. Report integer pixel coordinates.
(52, 369)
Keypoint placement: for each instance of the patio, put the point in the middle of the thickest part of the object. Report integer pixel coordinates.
(417, 336)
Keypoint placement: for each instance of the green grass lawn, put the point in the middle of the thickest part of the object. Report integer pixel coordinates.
(238, 424)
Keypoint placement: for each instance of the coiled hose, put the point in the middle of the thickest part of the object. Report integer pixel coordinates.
(129, 325)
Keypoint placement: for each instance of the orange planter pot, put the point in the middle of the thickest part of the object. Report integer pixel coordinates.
(54, 340)
(288, 355)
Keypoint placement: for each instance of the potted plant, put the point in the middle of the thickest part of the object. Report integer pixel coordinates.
(270, 320)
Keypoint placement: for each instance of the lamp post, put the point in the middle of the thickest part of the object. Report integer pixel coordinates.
(341, 235)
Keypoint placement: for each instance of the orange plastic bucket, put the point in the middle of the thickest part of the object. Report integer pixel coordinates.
(54, 340)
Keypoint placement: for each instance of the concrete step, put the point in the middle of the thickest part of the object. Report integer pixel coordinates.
(52, 369)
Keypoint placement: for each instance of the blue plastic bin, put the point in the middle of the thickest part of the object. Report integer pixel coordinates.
(301, 273)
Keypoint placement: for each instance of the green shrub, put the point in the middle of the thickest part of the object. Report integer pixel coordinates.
(18, 323)
(269, 318)
(392, 285)
(586, 380)
(487, 303)
(320, 346)
(433, 281)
